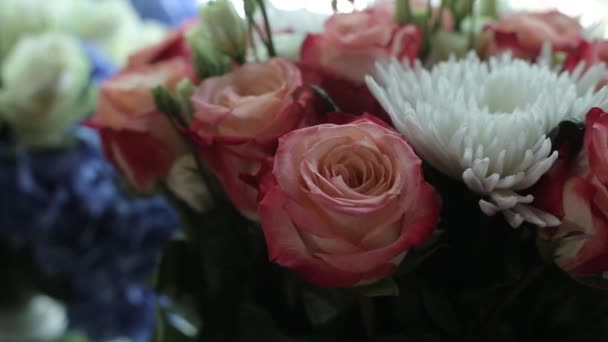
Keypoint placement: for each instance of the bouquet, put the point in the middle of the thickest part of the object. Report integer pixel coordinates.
(417, 171)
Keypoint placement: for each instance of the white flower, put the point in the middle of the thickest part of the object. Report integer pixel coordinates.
(18, 17)
(487, 122)
(45, 87)
(114, 25)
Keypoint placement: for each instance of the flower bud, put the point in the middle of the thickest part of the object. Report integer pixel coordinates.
(445, 44)
(46, 87)
(208, 59)
(225, 28)
(183, 93)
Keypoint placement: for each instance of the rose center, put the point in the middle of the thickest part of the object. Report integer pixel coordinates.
(357, 168)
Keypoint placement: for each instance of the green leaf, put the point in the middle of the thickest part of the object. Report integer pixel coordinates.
(169, 105)
(441, 311)
(386, 287)
(72, 337)
(184, 92)
(546, 249)
(177, 323)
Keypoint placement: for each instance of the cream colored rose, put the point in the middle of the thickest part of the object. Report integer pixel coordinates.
(18, 17)
(45, 87)
(112, 24)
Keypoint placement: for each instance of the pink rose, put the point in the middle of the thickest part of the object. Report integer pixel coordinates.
(576, 190)
(344, 203)
(137, 138)
(238, 118)
(524, 33)
(352, 42)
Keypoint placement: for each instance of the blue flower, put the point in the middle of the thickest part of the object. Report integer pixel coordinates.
(132, 309)
(68, 207)
(170, 12)
(102, 67)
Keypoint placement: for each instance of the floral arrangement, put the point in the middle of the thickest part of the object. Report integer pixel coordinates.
(417, 171)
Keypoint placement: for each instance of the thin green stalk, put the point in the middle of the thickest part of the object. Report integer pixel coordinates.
(269, 42)
(368, 316)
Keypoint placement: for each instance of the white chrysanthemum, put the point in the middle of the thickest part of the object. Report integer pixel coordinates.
(487, 122)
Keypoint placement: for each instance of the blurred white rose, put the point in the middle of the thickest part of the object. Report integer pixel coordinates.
(18, 17)
(286, 44)
(45, 87)
(112, 24)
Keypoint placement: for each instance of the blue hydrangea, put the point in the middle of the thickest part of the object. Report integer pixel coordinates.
(170, 12)
(102, 66)
(68, 207)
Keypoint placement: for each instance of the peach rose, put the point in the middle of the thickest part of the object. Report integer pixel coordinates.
(137, 138)
(344, 203)
(352, 42)
(524, 33)
(238, 118)
(576, 190)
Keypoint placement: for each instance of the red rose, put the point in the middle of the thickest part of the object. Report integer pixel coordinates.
(350, 97)
(577, 191)
(523, 33)
(137, 138)
(344, 203)
(352, 42)
(238, 118)
(590, 53)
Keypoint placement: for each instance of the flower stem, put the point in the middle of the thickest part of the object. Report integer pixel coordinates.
(269, 42)
(368, 316)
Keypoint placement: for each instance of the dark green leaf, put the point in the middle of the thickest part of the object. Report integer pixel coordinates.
(386, 287)
(441, 311)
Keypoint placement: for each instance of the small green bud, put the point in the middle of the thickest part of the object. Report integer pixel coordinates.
(184, 92)
(225, 28)
(208, 59)
(488, 8)
(403, 12)
(445, 44)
